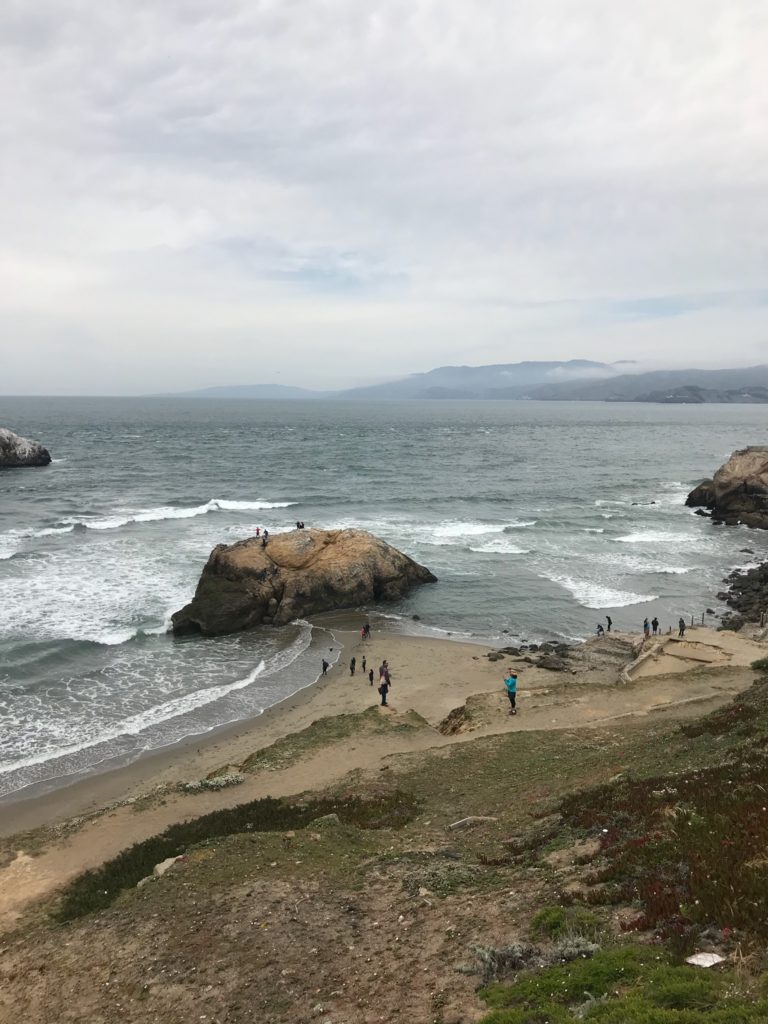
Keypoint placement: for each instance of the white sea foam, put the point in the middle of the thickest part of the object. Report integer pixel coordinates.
(655, 537)
(499, 546)
(593, 529)
(154, 515)
(139, 722)
(594, 595)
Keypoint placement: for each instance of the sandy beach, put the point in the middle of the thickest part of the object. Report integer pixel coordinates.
(81, 825)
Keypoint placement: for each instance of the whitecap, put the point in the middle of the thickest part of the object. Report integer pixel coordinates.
(139, 722)
(594, 595)
(154, 515)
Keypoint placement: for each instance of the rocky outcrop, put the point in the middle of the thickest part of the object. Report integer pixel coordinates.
(738, 492)
(297, 574)
(17, 451)
(747, 594)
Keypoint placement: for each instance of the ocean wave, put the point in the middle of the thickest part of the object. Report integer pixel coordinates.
(594, 595)
(654, 537)
(139, 722)
(499, 546)
(154, 515)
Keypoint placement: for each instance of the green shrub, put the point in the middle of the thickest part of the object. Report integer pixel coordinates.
(555, 922)
(761, 665)
(98, 888)
(622, 985)
(568, 983)
(550, 922)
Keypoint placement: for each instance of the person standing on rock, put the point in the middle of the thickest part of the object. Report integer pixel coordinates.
(655, 625)
(646, 628)
(325, 666)
(352, 664)
(609, 620)
(681, 626)
(600, 630)
(510, 682)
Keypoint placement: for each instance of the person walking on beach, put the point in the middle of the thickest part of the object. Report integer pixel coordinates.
(655, 625)
(370, 676)
(363, 664)
(352, 663)
(510, 681)
(646, 628)
(681, 626)
(384, 690)
(609, 620)
(325, 666)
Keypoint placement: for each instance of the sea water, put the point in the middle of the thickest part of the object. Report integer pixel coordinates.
(538, 518)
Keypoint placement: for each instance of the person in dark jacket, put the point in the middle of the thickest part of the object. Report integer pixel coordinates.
(384, 690)
(352, 664)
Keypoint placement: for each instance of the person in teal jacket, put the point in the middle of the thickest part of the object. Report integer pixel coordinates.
(510, 682)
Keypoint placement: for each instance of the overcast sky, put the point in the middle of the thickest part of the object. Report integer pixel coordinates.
(336, 192)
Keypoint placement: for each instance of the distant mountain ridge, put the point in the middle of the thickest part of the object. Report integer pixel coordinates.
(631, 387)
(573, 380)
(498, 380)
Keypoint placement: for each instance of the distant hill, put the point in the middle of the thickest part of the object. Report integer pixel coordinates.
(691, 395)
(500, 380)
(633, 387)
(572, 380)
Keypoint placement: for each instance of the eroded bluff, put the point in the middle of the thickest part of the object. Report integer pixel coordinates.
(738, 492)
(297, 574)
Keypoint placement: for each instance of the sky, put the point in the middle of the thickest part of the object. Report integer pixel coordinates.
(333, 192)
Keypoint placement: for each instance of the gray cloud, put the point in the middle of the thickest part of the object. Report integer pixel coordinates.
(332, 191)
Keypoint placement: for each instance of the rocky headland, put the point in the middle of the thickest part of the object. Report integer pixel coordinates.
(16, 451)
(738, 492)
(296, 574)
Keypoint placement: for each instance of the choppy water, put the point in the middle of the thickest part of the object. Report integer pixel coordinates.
(536, 517)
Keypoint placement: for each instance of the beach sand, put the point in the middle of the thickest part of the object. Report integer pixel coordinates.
(430, 679)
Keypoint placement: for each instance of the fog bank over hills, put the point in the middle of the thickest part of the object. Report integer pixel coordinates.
(574, 380)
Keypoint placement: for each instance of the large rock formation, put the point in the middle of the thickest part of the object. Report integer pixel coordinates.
(738, 492)
(17, 451)
(297, 574)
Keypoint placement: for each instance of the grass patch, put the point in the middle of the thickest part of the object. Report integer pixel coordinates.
(690, 849)
(622, 985)
(323, 733)
(745, 716)
(98, 888)
(555, 922)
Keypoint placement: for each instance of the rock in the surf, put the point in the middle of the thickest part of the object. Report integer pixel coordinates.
(17, 451)
(297, 574)
(738, 492)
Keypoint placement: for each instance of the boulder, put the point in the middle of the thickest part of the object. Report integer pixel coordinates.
(17, 451)
(553, 663)
(297, 574)
(738, 492)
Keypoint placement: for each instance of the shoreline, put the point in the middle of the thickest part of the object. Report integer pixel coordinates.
(85, 793)
(335, 733)
(91, 790)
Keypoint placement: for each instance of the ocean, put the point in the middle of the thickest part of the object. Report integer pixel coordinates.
(538, 518)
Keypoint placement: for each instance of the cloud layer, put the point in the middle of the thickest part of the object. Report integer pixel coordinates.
(331, 192)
